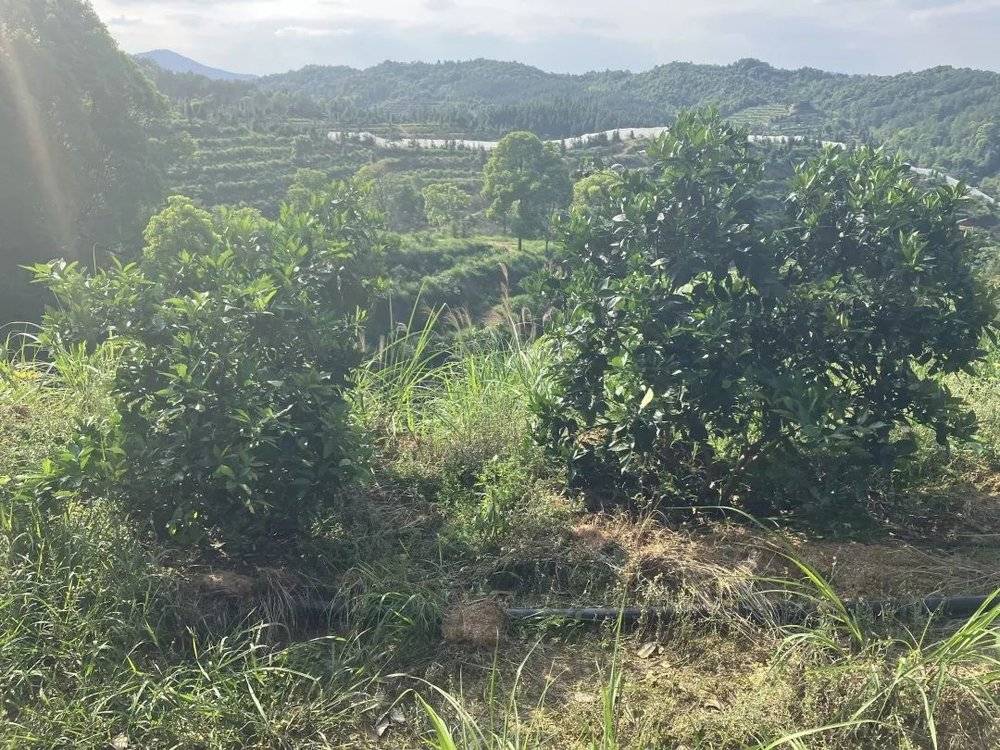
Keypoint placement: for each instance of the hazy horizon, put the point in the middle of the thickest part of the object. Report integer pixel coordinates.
(851, 36)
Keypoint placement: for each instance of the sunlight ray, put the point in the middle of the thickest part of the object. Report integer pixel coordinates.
(29, 112)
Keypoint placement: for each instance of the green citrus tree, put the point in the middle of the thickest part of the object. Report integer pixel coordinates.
(236, 336)
(592, 191)
(693, 344)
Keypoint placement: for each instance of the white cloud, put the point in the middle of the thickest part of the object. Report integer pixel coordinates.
(851, 35)
(309, 32)
(959, 8)
(123, 21)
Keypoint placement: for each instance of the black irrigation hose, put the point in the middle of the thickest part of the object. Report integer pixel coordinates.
(948, 607)
(784, 612)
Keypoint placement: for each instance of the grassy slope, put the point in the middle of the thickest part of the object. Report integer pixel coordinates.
(103, 639)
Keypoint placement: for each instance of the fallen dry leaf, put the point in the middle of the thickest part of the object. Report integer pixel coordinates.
(394, 715)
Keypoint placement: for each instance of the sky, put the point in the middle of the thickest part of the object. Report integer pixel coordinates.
(856, 36)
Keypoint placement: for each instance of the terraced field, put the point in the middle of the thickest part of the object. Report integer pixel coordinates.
(235, 165)
(238, 165)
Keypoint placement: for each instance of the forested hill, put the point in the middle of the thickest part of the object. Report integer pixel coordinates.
(943, 116)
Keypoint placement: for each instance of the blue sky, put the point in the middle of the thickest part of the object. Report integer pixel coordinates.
(863, 36)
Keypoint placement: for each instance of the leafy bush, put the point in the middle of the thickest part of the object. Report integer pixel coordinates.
(693, 343)
(237, 335)
(446, 205)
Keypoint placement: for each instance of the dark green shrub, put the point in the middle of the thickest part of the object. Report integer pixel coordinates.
(237, 335)
(693, 343)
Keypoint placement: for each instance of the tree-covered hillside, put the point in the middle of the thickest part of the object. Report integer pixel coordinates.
(943, 117)
(479, 96)
(246, 139)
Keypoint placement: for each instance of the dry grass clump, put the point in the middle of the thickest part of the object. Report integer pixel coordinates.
(220, 599)
(476, 623)
(226, 584)
(654, 563)
(725, 562)
(880, 570)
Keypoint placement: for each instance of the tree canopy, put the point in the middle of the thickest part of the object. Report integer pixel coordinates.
(77, 167)
(524, 182)
(593, 190)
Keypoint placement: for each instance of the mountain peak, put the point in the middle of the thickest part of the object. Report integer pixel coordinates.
(174, 62)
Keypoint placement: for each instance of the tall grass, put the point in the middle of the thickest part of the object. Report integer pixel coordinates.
(468, 399)
(451, 422)
(505, 725)
(44, 395)
(853, 684)
(93, 648)
(905, 682)
(505, 722)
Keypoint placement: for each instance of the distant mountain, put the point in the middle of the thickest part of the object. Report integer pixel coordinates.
(175, 63)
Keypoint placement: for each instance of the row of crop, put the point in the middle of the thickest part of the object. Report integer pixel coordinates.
(241, 167)
(250, 151)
